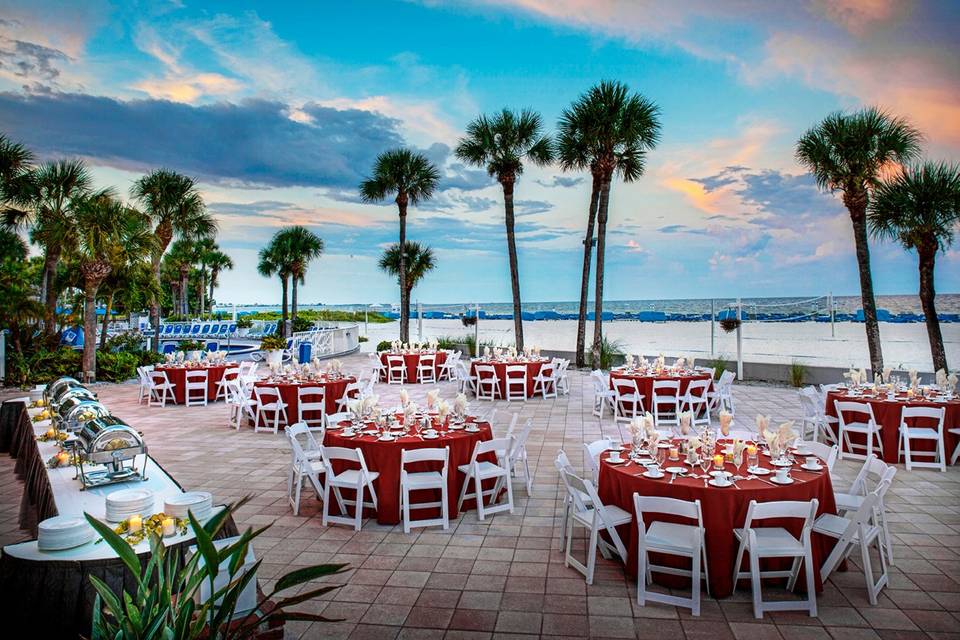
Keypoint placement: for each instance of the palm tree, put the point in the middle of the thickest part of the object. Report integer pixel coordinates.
(418, 260)
(414, 179)
(611, 129)
(273, 261)
(217, 261)
(16, 166)
(300, 247)
(501, 143)
(106, 233)
(176, 208)
(920, 209)
(847, 153)
(209, 256)
(181, 258)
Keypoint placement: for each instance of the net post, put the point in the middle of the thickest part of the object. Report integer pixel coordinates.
(833, 330)
(739, 339)
(713, 325)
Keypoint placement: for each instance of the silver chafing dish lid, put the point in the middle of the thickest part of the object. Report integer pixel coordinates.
(108, 433)
(69, 394)
(81, 409)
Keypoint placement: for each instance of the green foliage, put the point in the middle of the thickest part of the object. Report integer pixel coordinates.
(383, 345)
(301, 324)
(610, 351)
(401, 171)
(127, 341)
(190, 345)
(718, 364)
(244, 322)
(37, 364)
(451, 342)
(273, 342)
(116, 367)
(167, 605)
(363, 339)
(321, 315)
(798, 371)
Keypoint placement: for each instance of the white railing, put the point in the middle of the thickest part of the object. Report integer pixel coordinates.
(329, 340)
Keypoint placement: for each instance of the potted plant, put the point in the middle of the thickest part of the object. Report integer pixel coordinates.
(273, 346)
(243, 326)
(192, 348)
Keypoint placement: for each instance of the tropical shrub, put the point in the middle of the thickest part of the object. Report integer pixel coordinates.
(301, 324)
(273, 342)
(190, 345)
(244, 322)
(363, 339)
(116, 367)
(384, 345)
(798, 371)
(39, 365)
(610, 350)
(718, 364)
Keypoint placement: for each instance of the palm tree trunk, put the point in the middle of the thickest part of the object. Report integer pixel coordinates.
(89, 369)
(585, 276)
(602, 206)
(514, 267)
(213, 284)
(293, 300)
(404, 293)
(856, 203)
(928, 296)
(202, 290)
(106, 322)
(184, 292)
(163, 233)
(50, 261)
(285, 280)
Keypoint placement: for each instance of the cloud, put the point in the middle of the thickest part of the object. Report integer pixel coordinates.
(530, 207)
(250, 142)
(560, 181)
(30, 61)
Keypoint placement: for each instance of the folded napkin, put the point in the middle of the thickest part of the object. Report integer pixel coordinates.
(762, 423)
(691, 361)
(685, 419)
(404, 398)
(356, 407)
(432, 397)
(725, 419)
(628, 362)
(486, 352)
(460, 403)
(371, 402)
(785, 434)
(636, 425)
(952, 382)
(443, 410)
(680, 362)
(941, 378)
(648, 424)
(408, 410)
(694, 443)
(914, 378)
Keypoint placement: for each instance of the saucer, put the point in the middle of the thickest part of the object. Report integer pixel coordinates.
(429, 437)
(713, 483)
(455, 427)
(774, 480)
(781, 463)
(653, 476)
(720, 474)
(386, 438)
(819, 467)
(620, 461)
(758, 471)
(472, 429)
(676, 470)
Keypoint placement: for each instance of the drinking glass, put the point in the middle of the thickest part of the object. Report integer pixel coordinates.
(661, 457)
(753, 460)
(738, 460)
(705, 462)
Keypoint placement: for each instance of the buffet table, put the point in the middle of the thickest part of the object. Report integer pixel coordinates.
(384, 457)
(724, 508)
(50, 591)
(887, 413)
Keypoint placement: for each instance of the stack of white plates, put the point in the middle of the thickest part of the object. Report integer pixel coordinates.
(63, 532)
(199, 502)
(127, 502)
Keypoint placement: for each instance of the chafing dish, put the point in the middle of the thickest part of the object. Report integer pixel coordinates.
(76, 410)
(58, 386)
(67, 397)
(109, 441)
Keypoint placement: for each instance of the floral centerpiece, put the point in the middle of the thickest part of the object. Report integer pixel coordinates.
(136, 529)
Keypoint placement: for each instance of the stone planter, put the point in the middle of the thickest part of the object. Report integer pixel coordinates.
(274, 357)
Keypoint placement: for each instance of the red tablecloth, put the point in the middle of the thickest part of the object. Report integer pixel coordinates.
(887, 414)
(412, 360)
(178, 378)
(333, 391)
(645, 383)
(533, 370)
(384, 457)
(723, 510)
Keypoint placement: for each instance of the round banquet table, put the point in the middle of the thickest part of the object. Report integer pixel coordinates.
(533, 370)
(333, 391)
(384, 457)
(177, 375)
(412, 361)
(887, 414)
(724, 509)
(645, 382)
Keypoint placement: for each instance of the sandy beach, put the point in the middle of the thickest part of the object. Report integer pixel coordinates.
(904, 345)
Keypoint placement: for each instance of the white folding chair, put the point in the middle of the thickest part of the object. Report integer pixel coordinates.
(194, 382)
(449, 366)
(396, 370)
(777, 542)
(865, 424)
(563, 382)
(910, 431)
(956, 451)
(666, 393)
(518, 454)
(562, 463)
(721, 398)
(603, 395)
(477, 471)
(628, 399)
(351, 391)
(856, 529)
(487, 382)
(670, 538)
(876, 471)
(239, 402)
(427, 368)
(826, 452)
(697, 401)
(360, 480)
(306, 463)
(311, 400)
(161, 389)
(829, 423)
(377, 366)
(591, 455)
(143, 375)
(421, 480)
(516, 382)
(595, 516)
(228, 375)
(811, 424)
(545, 382)
(248, 371)
(268, 401)
(334, 419)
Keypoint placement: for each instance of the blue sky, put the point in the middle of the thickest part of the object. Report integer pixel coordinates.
(278, 109)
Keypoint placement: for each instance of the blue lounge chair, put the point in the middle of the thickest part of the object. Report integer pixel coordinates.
(205, 330)
(167, 329)
(232, 328)
(212, 346)
(224, 329)
(177, 329)
(169, 347)
(195, 330)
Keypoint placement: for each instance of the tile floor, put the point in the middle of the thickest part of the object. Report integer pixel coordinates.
(505, 578)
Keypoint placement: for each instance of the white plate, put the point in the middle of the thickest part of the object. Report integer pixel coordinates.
(647, 474)
(472, 429)
(433, 437)
(128, 496)
(676, 470)
(618, 448)
(664, 445)
(774, 480)
(781, 463)
(386, 438)
(455, 427)
(620, 461)
(713, 483)
(758, 471)
(717, 474)
(819, 467)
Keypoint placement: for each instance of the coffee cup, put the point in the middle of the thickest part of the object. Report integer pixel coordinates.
(783, 474)
(614, 456)
(721, 479)
(812, 461)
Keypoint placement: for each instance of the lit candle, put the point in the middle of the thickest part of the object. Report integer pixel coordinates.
(63, 457)
(718, 461)
(51, 433)
(136, 523)
(169, 527)
(674, 453)
(751, 449)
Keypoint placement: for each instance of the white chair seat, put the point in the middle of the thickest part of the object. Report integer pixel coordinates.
(773, 541)
(351, 477)
(669, 536)
(923, 433)
(834, 526)
(317, 465)
(424, 479)
(487, 470)
(848, 501)
(612, 514)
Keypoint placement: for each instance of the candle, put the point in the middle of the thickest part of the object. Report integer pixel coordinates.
(51, 433)
(136, 523)
(718, 461)
(63, 457)
(674, 453)
(751, 449)
(169, 527)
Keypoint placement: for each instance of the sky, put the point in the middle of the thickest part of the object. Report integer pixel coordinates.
(279, 110)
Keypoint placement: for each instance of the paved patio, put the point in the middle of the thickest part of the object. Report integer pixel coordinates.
(505, 578)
